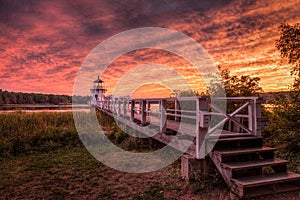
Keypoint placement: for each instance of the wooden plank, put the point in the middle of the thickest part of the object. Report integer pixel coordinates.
(266, 179)
(163, 116)
(260, 190)
(161, 137)
(233, 139)
(132, 110)
(244, 151)
(143, 111)
(252, 164)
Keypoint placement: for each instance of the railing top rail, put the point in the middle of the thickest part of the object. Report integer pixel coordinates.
(170, 98)
(188, 98)
(236, 98)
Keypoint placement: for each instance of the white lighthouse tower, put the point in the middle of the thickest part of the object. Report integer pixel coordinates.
(98, 91)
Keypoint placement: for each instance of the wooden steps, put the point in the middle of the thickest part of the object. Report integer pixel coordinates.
(228, 143)
(262, 185)
(266, 179)
(244, 151)
(249, 168)
(251, 164)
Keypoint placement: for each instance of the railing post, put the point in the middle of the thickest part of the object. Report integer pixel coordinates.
(143, 112)
(163, 117)
(119, 108)
(251, 117)
(124, 107)
(114, 106)
(177, 107)
(257, 116)
(132, 110)
(201, 105)
(149, 107)
(140, 107)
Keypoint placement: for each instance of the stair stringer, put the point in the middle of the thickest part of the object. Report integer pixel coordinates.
(216, 159)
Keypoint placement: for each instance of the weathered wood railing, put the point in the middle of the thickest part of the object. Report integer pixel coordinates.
(200, 117)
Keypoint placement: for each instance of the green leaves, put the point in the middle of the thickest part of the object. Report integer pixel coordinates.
(289, 45)
(236, 86)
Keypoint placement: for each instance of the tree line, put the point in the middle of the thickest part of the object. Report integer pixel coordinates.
(7, 97)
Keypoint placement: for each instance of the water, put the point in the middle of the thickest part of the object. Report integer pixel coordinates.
(43, 108)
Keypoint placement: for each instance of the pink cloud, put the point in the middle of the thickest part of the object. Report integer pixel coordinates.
(42, 44)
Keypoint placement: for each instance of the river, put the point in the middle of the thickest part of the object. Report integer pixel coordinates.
(43, 108)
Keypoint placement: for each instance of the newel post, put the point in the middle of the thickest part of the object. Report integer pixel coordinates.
(257, 116)
(201, 131)
(251, 118)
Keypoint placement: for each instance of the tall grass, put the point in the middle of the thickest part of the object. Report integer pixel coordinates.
(22, 132)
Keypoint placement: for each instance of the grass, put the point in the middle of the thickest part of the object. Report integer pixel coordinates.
(72, 173)
(43, 158)
(24, 132)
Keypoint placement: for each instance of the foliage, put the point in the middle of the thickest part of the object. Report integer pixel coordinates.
(205, 184)
(284, 120)
(284, 127)
(188, 93)
(235, 86)
(289, 45)
(33, 98)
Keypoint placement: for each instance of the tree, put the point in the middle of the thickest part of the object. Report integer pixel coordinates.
(188, 93)
(235, 86)
(289, 45)
(284, 120)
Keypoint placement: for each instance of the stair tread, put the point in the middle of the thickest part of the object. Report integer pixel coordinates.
(228, 135)
(254, 163)
(234, 139)
(243, 150)
(266, 179)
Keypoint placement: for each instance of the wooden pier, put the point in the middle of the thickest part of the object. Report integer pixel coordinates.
(229, 140)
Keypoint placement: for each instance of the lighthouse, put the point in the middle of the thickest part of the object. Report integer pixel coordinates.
(98, 91)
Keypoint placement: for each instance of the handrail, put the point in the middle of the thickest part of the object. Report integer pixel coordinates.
(244, 118)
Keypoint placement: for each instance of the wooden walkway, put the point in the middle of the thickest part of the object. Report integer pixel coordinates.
(233, 141)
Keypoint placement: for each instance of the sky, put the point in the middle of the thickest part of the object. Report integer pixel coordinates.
(44, 43)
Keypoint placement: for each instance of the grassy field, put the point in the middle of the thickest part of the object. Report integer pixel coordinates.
(43, 158)
(22, 132)
(71, 173)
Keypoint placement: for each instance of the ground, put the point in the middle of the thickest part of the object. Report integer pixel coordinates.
(72, 173)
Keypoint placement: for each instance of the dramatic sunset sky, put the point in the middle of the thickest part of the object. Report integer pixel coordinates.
(44, 42)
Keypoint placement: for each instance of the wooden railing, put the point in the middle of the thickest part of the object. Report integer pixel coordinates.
(200, 116)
